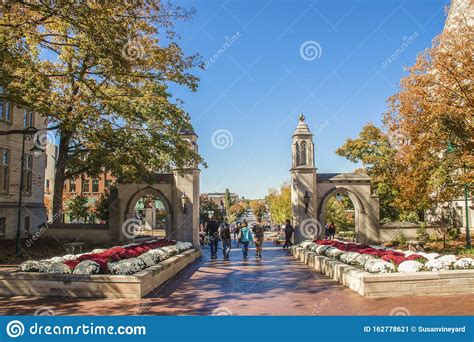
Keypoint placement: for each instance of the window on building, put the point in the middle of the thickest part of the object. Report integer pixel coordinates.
(72, 185)
(95, 185)
(47, 185)
(108, 183)
(85, 185)
(3, 224)
(27, 225)
(6, 109)
(5, 172)
(28, 174)
(28, 118)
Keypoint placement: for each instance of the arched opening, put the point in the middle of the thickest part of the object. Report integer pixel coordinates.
(342, 208)
(303, 154)
(297, 154)
(151, 214)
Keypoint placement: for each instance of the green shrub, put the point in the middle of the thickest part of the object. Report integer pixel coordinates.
(453, 234)
(399, 239)
(421, 233)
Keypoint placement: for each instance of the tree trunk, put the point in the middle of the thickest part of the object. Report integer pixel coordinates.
(59, 177)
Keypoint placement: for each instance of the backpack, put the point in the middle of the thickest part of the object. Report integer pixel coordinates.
(245, 235)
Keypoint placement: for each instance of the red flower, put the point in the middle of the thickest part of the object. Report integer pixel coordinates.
(118, 253)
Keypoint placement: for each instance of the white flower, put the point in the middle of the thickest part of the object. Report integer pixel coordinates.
(408, 253)
(442, 263)
(306, 244)
(126, 267)
(98, 250)
(313, 247)
(379, 266)
(349, 257)
(148, 258)
(321, 249)
(429, 256)
(362, 259)
(87, 267)
(58, 268)
(32, 266)
(69, 257)
(464, 264)
(334, 252)
(410, 266)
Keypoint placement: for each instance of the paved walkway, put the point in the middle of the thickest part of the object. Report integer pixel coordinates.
(275, 285)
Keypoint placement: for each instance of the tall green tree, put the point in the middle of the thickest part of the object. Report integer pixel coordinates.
(227, 201)
(78, 208)
(376, 152)
(279, 203)
(100, 71)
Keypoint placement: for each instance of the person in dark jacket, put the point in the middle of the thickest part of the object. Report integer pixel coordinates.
(226, 238)
(212, 232)
(289, 230)
(259, 235)
(332, 230)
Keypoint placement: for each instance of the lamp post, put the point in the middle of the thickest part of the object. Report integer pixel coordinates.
(27, 132)
(451, 152)
(184, 200)
(306, 199)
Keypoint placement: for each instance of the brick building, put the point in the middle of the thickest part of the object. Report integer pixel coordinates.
(13, 117)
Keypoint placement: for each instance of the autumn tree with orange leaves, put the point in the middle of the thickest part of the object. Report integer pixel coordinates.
(433, 109)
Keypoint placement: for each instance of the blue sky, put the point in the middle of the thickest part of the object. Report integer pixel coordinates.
(250, 96)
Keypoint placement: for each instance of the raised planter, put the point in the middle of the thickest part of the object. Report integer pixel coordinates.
(389, 284)
(15, 283)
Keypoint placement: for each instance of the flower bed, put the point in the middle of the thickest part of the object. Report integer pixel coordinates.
(377, 259)
(119, 260)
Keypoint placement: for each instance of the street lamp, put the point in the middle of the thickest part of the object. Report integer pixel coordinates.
(306, 199)
(184, 200)
(27, 132)
(451, 154)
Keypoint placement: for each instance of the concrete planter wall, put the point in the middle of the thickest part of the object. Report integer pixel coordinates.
(95, 286)
(391, 284)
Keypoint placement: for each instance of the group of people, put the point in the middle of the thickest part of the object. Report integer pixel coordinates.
(330, 230)
(243, 235)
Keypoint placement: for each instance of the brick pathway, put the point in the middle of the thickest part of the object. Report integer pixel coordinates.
(276, 285)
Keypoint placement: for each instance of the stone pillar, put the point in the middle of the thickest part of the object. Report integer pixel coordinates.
(186, 224)
(303, 182)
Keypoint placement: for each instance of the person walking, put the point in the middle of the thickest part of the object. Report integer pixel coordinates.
(332, 230)
(238, 226)
(259, 234)
(289, 230)
(245, 236)
(326, 231)
(212, 232)
(224, 232)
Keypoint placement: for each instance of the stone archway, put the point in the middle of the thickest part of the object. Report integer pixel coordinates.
(357, 203)
(150, 190)
(310, 191)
